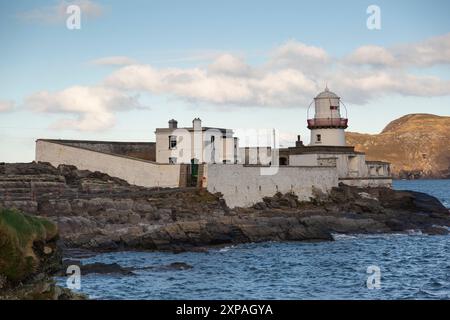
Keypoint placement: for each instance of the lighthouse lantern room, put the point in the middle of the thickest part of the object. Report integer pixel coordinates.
(328, 126)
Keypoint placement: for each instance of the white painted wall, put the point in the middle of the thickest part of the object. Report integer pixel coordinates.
(195, 144)
(138, 172)
(329, 137)
(244, 186)
(307, 159)
(368, 182)
(348, 165)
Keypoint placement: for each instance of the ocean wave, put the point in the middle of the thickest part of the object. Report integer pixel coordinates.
(341, 236)
(413, 232)
(226, 249)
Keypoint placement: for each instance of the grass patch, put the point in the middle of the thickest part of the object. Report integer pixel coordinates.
(18, 232)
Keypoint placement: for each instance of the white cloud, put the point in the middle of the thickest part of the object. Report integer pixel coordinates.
(430, 52)
(6, 105)
(360, 86)
(292, 75)
(227, 64)
(57, 13)
(372, 55)
(293, 54)
(113, 61)
(239, 86)
(89, 108)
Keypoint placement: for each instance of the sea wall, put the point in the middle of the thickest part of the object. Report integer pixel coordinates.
(134, 171)
(245, 185)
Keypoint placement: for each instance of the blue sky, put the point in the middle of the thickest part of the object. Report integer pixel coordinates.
(236, 64)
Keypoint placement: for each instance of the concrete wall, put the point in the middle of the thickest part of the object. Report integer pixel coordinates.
(348, 165)
(244, 186)
(368, 182)
(377, 169)
(255, 155)
(141, 150)
(135, 171)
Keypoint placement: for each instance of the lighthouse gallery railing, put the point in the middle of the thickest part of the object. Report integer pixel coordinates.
(327, 122)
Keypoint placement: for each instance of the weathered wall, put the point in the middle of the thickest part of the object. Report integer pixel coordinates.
(348, 165)
(135, 171)
(244, 186)
(368, 182)
(141, 150)
(255, 155)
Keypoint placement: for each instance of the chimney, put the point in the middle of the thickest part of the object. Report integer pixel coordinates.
(197, 124)
(173, 124)
(299, 142)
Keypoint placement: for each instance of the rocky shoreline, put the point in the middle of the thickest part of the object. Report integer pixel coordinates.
(96, 212)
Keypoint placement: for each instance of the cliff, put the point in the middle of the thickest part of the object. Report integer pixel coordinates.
(98, 212)
(416, 145)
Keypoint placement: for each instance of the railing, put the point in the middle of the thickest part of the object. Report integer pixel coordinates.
(327, 122)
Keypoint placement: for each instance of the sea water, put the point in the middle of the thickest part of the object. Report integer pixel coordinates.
(411, 266)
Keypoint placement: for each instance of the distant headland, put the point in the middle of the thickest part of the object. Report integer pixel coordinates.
(416, 145)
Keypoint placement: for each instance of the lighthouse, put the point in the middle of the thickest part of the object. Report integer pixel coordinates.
(328, 126)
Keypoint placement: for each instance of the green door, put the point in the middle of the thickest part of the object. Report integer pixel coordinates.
(194, 172)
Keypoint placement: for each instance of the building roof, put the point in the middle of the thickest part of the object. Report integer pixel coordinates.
(327, 94)
(320, 150)
(191, 129)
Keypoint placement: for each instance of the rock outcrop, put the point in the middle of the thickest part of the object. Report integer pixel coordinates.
(416, 145)
(29, 256)
(97, 212)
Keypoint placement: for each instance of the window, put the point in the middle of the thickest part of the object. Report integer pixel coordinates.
(319, 138)
(334, 107)
(212, 139)
(172, 142)
(283, 161)
(172, 160)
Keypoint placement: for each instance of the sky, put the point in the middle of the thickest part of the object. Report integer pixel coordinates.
(245, 65)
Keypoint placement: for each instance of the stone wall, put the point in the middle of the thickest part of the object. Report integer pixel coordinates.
(135, 171)
(140, 150)
(243, 186)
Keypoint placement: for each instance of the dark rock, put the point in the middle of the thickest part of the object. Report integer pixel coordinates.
(170, 267)
(98, 267)
(435, 230)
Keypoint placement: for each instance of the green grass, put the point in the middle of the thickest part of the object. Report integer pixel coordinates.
(18, 231)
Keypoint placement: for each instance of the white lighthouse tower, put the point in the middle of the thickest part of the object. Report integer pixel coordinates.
(328, 126)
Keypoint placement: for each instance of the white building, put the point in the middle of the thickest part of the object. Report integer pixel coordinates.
(328, 147)
(327, 127)
(197, 155)
(195, 144)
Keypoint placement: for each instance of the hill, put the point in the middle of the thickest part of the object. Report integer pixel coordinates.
(416, 145)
